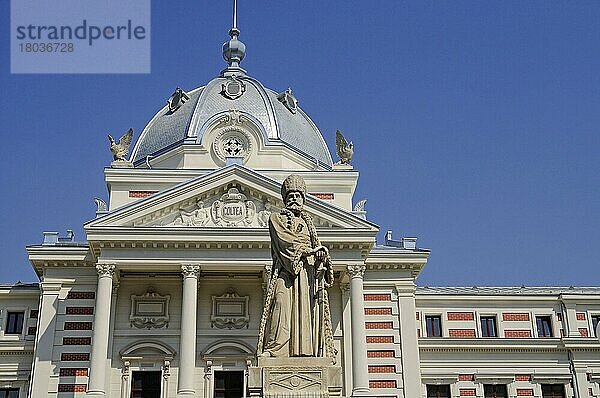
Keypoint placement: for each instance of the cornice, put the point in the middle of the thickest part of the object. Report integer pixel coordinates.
(427, 344)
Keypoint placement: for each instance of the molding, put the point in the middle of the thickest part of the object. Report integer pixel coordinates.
(190, 270)
(105, 270)
(355, 271)
(230, 311)
(149, 318)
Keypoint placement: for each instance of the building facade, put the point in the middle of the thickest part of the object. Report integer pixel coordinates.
(164, 296)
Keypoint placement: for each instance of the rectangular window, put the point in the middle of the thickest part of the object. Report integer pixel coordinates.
(488, 326)
(595, 322)
(438, 391)
(229, 384)
(544, 326)
(14, 323)
(434, 325)
(553, 391)
(494, 391)
(145, 384)
(9, 393)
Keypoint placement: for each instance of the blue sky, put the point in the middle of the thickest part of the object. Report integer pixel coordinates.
(475, 123)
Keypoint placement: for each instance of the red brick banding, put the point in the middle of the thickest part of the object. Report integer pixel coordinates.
(417, 316)
(78, 326)
(381, 354)
(559, 317)
(378, 297)
(81, 295)
(77, 340)
(33, 313)
(31, 330)
(75, 356)
(382, 369)
(466, 377)
(580, 316)
(80, 311)
(524, 392)
(379, 325)
(517, 334)
(322, 195)
(418, 332)
(382, 384)
(71, 387)
(460, 316)
(462, 333)
(73, 372)
(141, 194)
(380, 339)
(583, 332)
(515, 316)
(378, 311)
(467, 392)
(522, 377)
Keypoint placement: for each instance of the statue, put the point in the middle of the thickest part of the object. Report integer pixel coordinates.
(296, 320)
(344, 150)
(120, 150)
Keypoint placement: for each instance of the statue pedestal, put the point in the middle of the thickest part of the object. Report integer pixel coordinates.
(295, 377)
(121, 164)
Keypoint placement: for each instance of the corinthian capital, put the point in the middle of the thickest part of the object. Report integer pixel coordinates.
(356, 271)
(190, 270)
(105, 269)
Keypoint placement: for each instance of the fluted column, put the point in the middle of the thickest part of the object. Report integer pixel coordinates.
(97, 382)
(187, 345)
(360, 369)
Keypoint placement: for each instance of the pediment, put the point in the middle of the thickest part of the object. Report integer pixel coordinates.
(231, 197)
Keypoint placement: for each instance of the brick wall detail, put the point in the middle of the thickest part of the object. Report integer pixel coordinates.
(379, 325)
(382, 369)
(322, 195)
(515, 316)
(378, 311)
(522, 377)
(378, 297)
(462, 333)
(75, 356)
(81, 295)
(381, 354)
(141, 194)
(460, 316)
(380, 339)
(31, 330)
(78, 325)
(524, 392)
(466, 377)
(71, 387)
(517, 334)
(382, 384)
(80, 311)
(467, 392)
(580, 316)
(33, 313)
(69, 372)
(583, 332)
(77, 341)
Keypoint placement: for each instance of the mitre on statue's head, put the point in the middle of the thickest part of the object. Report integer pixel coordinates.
(293, 183)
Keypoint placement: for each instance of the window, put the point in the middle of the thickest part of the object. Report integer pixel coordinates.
(229, 384)
(553, 391)
(494, 391)
(145, 384)
(9, 393)
(488, 326)
(434, 325)
(14, 323)
(441, 391)
(595, 321)
(544, 326)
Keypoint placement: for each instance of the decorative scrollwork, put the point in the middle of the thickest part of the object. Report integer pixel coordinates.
(190, 270)
(105, 270)
(356, 271)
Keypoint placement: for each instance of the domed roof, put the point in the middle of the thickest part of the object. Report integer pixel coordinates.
(279, 121)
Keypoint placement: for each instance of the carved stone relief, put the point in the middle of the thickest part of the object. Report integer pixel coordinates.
(150, 310)
(230, 311)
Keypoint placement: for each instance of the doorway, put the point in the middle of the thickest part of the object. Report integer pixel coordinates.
(229, 384)
(145, 384)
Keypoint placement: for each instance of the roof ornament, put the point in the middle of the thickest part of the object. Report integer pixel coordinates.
(177, 99)
(234, 50)
(345, 150)
(288, 99)
(120, 150)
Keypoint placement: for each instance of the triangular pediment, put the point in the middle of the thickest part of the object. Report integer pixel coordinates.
(231, 197)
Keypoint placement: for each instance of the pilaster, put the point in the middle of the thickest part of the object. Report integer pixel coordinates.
(187, 345)
(409, 342)
(360, 369)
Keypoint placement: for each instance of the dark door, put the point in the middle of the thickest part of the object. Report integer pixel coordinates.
(229, 384)
(145, 384)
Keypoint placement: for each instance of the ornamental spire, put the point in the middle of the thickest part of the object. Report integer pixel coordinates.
(234, 50)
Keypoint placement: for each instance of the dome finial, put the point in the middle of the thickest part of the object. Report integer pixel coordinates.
(234, 50)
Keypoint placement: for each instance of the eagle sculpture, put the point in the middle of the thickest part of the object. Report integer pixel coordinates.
(121, 149)
(344, 149)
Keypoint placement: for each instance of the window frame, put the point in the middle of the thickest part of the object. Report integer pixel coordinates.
(561, 386)
(9, 312)
(494, 386)
(594, 317)
(481, 328)
(440, 327)
(428, 386)
(543, 317)
(8, 390)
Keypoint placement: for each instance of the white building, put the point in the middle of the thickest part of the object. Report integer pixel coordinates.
(164, 297)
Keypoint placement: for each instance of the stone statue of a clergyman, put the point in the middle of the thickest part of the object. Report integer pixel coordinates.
(296, 320)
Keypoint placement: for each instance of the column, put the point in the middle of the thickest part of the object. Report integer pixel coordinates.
(187, 344)
(409, 343)
(46, 327)
(347, 328)
(97, 382)
(360, 369)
